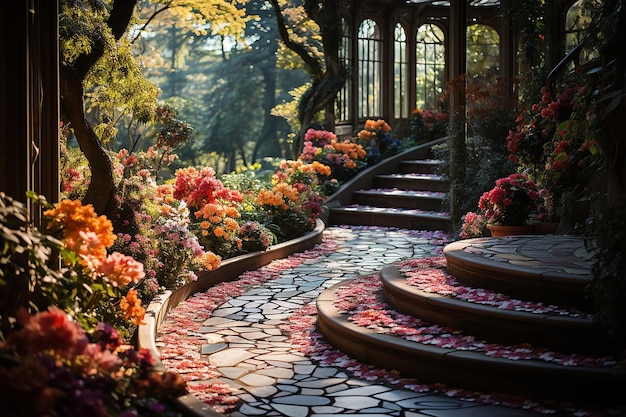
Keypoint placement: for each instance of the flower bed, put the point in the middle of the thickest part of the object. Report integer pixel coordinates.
(228, 270)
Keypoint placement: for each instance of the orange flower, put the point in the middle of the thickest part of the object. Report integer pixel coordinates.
(270, 198)
(210, 210)
(219, 232)
(317, 167)
(231, 224)
(209, 260)
(132, 309)
(349, 164)
(287, 190)
(231, 212)
(86, 233)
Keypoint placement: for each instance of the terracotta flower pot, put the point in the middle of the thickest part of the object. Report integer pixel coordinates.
(497, 230)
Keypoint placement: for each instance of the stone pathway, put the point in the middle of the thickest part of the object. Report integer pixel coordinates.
(244, 342)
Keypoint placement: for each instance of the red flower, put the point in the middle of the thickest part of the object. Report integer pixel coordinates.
(51, 330)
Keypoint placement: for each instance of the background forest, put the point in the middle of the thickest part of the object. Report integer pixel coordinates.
(219, 68)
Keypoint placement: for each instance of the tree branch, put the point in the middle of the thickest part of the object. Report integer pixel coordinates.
(314, 65)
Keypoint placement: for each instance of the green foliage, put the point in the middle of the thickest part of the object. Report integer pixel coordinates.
(25, 261)
(80, 23)
(608, 287)
(33, 277)
(531, 24)
(116, 87)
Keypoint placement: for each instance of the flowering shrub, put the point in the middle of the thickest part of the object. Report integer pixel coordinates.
(255, 237)
(217, 215)
(50, 367)
(512, 201)
(474, 225)
(377, 138)
(343, 158)
(556, 140)
(199, 187)
(155, 228)
(58, 358)
(427, 125)
(293, 204)
(100, 282)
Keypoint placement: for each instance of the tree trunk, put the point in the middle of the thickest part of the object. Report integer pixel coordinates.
(328, 81)
(101, 188)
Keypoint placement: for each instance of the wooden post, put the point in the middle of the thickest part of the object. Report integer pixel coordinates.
(457, 57)
(29, 101)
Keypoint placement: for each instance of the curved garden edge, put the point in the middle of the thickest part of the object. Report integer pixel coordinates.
(228, 270)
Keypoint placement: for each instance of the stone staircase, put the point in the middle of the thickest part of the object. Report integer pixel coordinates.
(538, 269)
(404, 191)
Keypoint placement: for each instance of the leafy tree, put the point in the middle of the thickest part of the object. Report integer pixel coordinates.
(99, 74)
(88, 31)
(319, 51)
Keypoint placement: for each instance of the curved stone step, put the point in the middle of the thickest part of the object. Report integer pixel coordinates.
(390, 217)
(559, 278)
(467, 369)
(551, 330)
(424, 200)
(418, 182)
(424, 166)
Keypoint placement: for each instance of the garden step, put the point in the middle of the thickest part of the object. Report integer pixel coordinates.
(423, 200)
(423, 166)
(500, 318)
(390, 217)
(469, 369)
(562, 279)
(416, 182)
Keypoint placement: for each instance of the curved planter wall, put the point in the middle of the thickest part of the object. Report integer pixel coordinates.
(228, 270)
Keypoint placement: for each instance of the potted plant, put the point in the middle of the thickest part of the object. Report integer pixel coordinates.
(512, 205)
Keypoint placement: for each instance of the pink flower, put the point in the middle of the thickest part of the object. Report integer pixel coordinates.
(120, 270)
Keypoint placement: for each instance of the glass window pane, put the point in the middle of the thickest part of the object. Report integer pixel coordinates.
(430, 66)
(342, 110)
(369, 70)
(400, 76)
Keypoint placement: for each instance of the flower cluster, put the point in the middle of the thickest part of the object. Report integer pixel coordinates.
(474, 225)
(255, 237)
(378, 140)
(512, 201)
(58, 357)
(52, 368)
(344, 158)
(556, 139)
(291, 206)
(197, 187)
(103, 278)
(86, 234)
(426, 125)
(217, 217)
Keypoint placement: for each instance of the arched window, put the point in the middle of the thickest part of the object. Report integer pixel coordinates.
(342, 104)
(430, 64)
(400, 75)
(483, 50)
(369, 69)
(577, 20)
